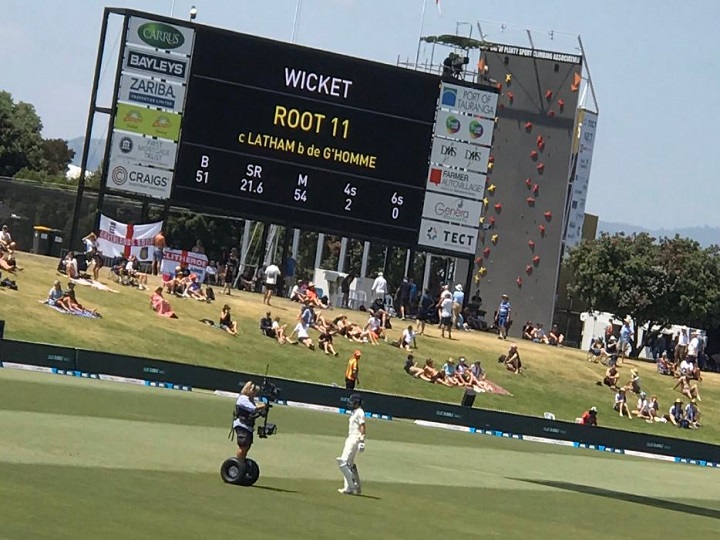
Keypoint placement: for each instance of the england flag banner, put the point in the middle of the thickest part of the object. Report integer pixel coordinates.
(196, 262)
(116, 239)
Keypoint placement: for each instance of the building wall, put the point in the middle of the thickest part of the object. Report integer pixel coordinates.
(538, 102)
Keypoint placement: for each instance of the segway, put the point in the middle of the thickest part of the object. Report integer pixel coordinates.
(232, 472)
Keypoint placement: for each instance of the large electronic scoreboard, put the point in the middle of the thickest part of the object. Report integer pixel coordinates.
(290, 134)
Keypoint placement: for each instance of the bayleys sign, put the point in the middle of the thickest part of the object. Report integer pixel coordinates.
(160, 35)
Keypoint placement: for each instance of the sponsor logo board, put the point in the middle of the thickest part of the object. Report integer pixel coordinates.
(453, 209)
(151, 92)
(124, 175)
(160, 35)
(151, 122)
(144, 151)
(454, 182)
(156, 64)
(447, 236)
(465, 128)
(459, 154)
(196, 262)
(468, 100)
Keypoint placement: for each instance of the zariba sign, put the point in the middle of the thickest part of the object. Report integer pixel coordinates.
(152, 92)
(159, 35)
(124, 175)
(196, 262)
(150, 122)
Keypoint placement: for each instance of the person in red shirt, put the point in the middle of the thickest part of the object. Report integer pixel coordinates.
(589, 418)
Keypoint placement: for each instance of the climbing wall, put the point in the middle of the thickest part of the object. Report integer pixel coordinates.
(519, 248)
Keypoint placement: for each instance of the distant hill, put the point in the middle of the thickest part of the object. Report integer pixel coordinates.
(95, 155)
(706, 236)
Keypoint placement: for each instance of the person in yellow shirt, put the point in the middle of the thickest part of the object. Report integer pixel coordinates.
(351, 372)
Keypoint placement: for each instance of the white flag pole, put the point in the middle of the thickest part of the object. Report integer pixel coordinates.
(422, 23)
(296, 21)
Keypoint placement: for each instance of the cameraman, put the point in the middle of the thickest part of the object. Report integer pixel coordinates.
(246, 411)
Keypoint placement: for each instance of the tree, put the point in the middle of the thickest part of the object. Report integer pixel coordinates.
(21, 144)
(673, 281)
(58, 156)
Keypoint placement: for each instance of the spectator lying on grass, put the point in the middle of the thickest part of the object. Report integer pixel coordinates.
(687, 388)
(279, 330)
(301, 331)
(411, 367)
(432, 375)
(226, 322)
(160, 305)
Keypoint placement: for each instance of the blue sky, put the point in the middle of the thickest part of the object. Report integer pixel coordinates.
(655, 66)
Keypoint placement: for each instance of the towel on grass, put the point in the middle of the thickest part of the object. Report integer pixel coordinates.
(85, 313)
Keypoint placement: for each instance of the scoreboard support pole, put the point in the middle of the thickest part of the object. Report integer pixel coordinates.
(426, 274)
(343, 253)
(245, 246)
(319, 250)
(408, 256)
(364, 264)
(295, 242)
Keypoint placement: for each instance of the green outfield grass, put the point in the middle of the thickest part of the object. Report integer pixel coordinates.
(90, 459)
(557, 380)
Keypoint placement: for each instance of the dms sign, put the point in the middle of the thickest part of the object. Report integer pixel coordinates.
(447, 237)
(459, 154)
(472, 129)
(468, 100)
(452, 209)
(124, 175)
(158, 35)
(152, 92)
(144, 151)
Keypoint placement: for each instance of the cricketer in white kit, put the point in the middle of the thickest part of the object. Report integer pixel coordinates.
(354, 443)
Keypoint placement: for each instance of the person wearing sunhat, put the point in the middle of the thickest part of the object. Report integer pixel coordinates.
(676, 414)
(681, 348)
(458, 298)
(589, 418)
(503, 317)
(634, 382)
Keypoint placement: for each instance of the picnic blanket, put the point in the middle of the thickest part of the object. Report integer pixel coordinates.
(85, 313)
(94, 284)
(491, 387)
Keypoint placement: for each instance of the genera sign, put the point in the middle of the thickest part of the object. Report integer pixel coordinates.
(452, 209)
(158, 35)
(124, 175)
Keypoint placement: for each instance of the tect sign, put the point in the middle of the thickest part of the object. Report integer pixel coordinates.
(447, 237)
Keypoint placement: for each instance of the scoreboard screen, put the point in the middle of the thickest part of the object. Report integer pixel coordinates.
(287, 134)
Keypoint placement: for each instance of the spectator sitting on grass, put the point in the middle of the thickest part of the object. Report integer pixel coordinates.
(407, 340)
(325, 340)
(226, 322)
(432, 375)
(297, 294)
(373, 330)
(676, 414)
(612, 375)
(279, 330)
(312, 297)
(69, 266)
(512, 360)
(692, 414)
(654, 409)
(643, 407)
(465, 373)
(452, 377)
(539, 335)
(307, 315)
(555, 337)
(194, 289)
(266, 326)
(132, 270)
(621, 406)
(634, 382)
(528, 331)
(687, 388)
(341, 324)
(596, 353)
(71, 301)
(355, 333)
(411, 367)
(664, 366)
(477, 371)
(611, 350)
(55, 295)
(301, 331)
(589, 418)
(8, 261)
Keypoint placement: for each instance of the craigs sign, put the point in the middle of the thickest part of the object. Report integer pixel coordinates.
(161, 36)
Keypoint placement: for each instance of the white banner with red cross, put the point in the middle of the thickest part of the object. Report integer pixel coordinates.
(196, 262)
(116, 239)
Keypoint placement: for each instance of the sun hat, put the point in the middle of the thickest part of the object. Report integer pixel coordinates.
(458, 287)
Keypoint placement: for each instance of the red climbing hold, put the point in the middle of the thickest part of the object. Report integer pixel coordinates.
(528, 182)
(551, 114)
(528, 269)
(542, 230)
(491, 220)
(540, 168)
(536, 260)
(486, 252)
(561, 104)
(498, 207)
(536, 189)
(519, 281)
(534, 155)
(548, 95)
(510, 97)
(531, 243)
(548, 215)
(530, 201)
(528, 126)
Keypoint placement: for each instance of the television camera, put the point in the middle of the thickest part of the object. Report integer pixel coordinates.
(247, 473)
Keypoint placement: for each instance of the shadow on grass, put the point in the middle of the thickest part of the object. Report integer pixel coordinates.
(277, 490)
(627, 497)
